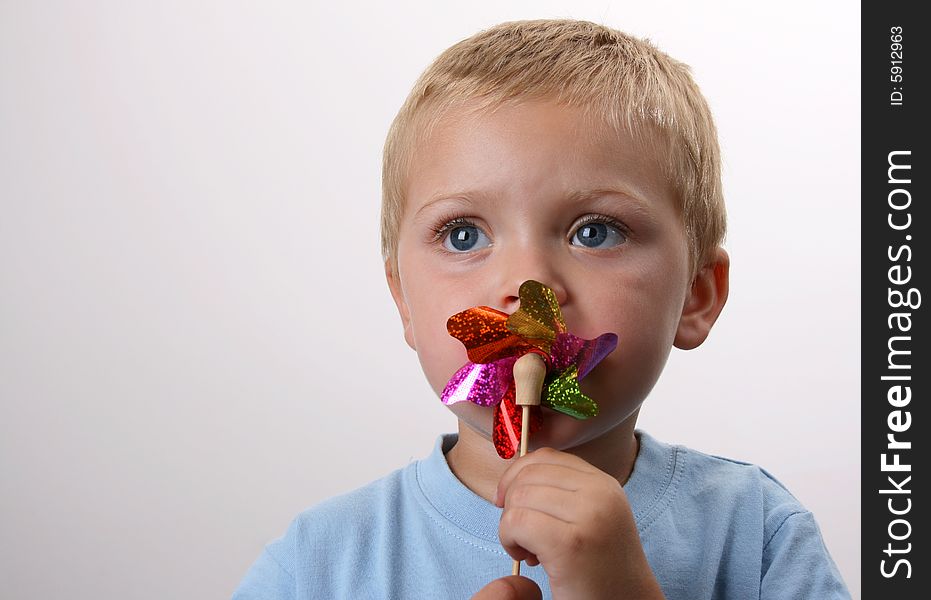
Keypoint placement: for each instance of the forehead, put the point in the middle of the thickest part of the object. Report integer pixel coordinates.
(531, 147)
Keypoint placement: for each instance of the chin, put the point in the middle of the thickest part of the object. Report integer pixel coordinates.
(559, 431)
(563, 432)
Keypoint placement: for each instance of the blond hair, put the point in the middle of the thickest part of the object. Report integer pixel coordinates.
(624, 81)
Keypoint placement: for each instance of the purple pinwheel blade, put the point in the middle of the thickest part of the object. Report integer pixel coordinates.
(569, 349)
(594, 352)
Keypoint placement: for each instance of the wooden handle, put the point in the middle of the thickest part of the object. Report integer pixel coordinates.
(529, 373)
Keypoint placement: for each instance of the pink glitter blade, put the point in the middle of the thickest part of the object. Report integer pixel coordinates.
(482, 384)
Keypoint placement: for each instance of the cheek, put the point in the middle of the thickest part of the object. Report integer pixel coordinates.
(645, 315)
(655, 297)
(440, 354)
(644, 309)
(438, 367)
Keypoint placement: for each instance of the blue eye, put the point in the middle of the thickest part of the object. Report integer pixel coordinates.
(464, 237)
(593, 234)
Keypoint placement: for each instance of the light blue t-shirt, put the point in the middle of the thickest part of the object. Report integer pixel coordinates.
(710, 527)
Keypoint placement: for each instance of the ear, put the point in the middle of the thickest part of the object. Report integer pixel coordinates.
(704, 302)
(394, 284)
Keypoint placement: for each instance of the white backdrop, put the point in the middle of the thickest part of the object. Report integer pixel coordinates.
(190, 280)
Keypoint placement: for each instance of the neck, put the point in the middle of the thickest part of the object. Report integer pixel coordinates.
(474, 461)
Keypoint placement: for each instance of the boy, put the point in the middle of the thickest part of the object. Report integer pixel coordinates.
(572, 154)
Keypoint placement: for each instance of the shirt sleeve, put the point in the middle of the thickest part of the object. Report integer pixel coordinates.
(797, 565)
(266, 580)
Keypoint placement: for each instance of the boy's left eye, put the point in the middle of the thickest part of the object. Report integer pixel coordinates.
(594, 232)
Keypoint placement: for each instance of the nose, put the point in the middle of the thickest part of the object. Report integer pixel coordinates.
(526, 264)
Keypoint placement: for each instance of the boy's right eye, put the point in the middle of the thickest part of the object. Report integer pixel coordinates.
(462, 236)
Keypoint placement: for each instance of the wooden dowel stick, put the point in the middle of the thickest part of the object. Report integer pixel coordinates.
(529, 372)
(524, 430)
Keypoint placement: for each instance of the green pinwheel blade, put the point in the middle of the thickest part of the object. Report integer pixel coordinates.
(562, 393)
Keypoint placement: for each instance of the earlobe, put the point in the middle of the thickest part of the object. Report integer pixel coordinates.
(704, 302)
(394, 284)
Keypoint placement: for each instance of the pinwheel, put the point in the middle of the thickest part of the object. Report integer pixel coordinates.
(495, 341)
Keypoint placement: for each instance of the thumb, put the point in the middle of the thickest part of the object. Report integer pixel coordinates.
(512, 587)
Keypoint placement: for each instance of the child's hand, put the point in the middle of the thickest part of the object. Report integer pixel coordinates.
(563, 513)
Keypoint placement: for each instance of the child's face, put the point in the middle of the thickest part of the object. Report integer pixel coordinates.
(528, 180)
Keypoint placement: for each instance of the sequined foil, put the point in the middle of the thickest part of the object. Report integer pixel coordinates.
(562, 393)
(538, 317)
(482, 384)
(568, 349)
(484, 333)
(494, 340)
(508, 422)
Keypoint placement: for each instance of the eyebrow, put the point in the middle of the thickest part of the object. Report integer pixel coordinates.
(461, 198)
(467, 198)
(597, 193)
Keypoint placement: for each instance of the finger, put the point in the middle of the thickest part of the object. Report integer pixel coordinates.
(549, 456)
(541, 473)
(512, 587)
(525, 532)
(553, 456)
(557, 476)
(562, 504)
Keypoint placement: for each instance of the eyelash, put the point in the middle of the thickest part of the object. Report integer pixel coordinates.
(596, 218)
(448, 223)
(451, 222)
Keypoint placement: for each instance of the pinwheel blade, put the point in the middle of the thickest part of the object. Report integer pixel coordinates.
(507, 424)
(594, 351)
(482, 384)
(568, 349)
(485, 334)
(538, 318)
(562, 393)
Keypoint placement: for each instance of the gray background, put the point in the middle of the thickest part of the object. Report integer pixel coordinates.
(190, 283)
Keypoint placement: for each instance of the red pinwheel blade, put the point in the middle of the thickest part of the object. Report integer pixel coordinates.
(508, 419)
(484, 332)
